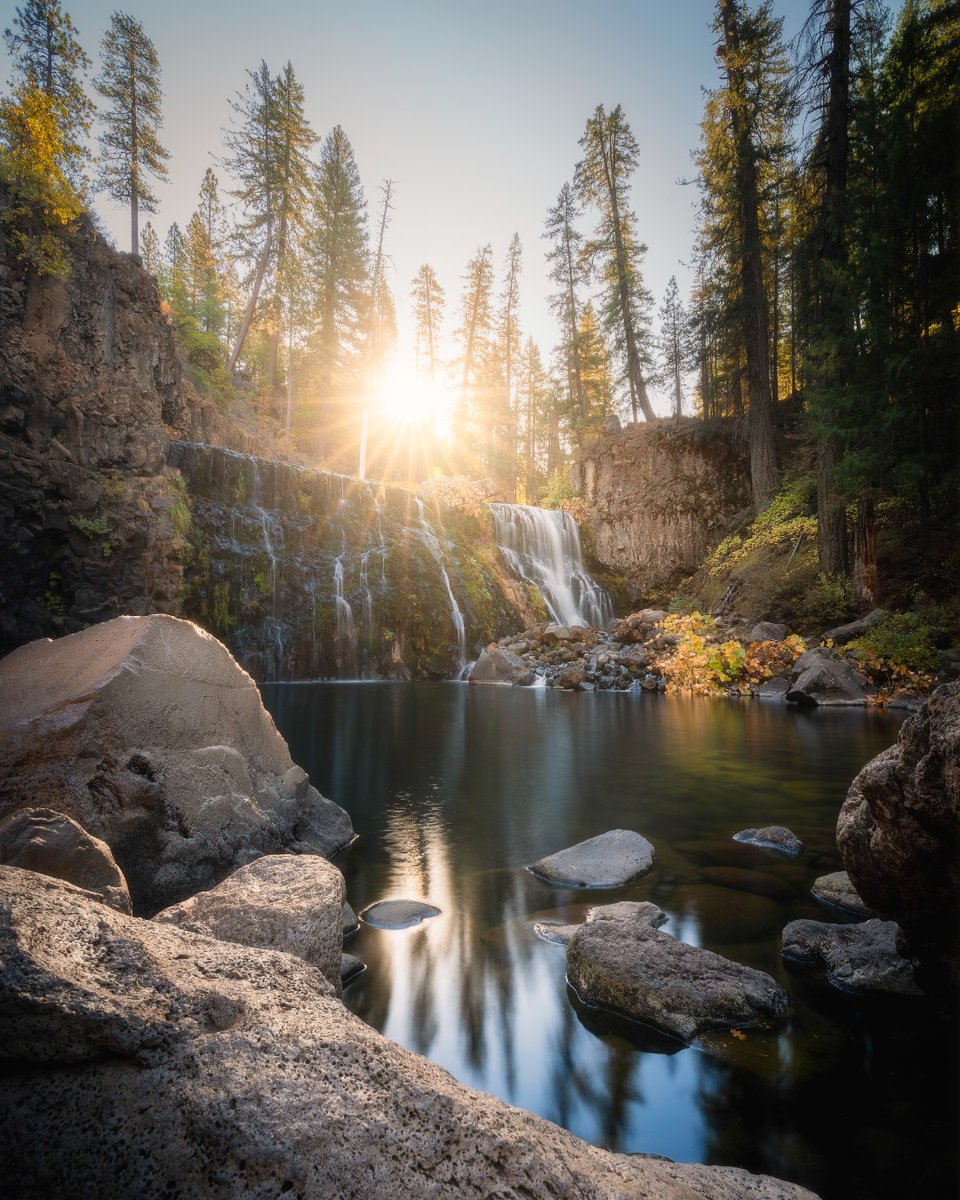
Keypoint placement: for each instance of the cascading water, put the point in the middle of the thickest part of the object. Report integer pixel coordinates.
(432, 543)
(542, 546)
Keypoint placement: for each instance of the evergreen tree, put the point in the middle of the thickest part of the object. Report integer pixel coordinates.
(45, 53)
(150, 249)
(428, 304)
(474, 336)
(200, 272)
(534, 395)
(568, 270)
(173, 275)
(597, 374)
(673, 331)
(131, 152)
(503, 413)
(603, 179)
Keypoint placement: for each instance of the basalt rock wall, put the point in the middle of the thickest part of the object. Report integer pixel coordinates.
(660, 496)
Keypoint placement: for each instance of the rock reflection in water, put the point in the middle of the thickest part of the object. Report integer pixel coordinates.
(453, 790)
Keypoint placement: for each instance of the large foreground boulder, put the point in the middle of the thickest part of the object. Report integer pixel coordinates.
(41, 840)
(822, 677)
(147, 732)
(608, 860)
(632, 969)
(144, 1060)
(899, 836)
(859, 958)
(289, 902)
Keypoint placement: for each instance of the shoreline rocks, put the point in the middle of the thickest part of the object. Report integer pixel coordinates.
(608, 860)
(822, 677)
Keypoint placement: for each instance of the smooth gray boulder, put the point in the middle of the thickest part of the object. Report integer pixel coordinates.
(147, 732)
(842, 634)
(398, 914)
(771, 837)
(767, 631)
(50, 843)
(349, 923)
(644, 912)
(836, 891)
(822, 677)
(144, 1060)
(498, 666)
(637, 971)
(856, 958)
(289, 902)
(773, 689)
(350, 968)
(607, 860)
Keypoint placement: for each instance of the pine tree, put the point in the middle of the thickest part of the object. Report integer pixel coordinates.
(569, 272)
(173, 274)
(597, 372)
(45, 53)
(503, 414)
(200, 271)
(533, 401)
(428, 304)
(131, 152)
(474, 336)
(602, 178)
(150, 249)
(673, 325)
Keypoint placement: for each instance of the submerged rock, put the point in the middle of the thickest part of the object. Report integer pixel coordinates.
(837, 891)
(143, 1060)
(41, 840)
(398, 914)
(496, 665)
(643, 912)
(147, 732)
(899, 837)
(280, 902)
(607, 860)
(641, 973)
(822, 677)
(771, 837)
(856, 958)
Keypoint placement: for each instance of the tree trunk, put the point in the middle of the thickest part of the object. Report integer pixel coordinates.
(865, 576)
(763, 448)
(251, 305)
(831, 513)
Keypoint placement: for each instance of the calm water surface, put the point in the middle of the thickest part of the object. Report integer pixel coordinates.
(454, 789)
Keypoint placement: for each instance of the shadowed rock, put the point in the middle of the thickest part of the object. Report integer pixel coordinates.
(39, 839)
(836, 891)
(842, 634)
(607, 860)
(822, 677)
(185, 1065)
(767, 631)
(643, 912)
(283, 902)
(639, 972)
(856, 958)
(771, 837)
(398, 914)
(147, 732)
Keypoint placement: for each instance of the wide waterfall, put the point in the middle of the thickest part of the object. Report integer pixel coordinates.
(542, 546)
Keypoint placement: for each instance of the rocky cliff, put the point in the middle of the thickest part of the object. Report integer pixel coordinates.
(659, 497)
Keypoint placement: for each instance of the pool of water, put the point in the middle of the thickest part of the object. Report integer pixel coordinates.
(454, 790)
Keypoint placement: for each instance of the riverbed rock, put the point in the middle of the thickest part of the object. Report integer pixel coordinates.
(289, 902)
(398, 914)
(571, 678)
(607, 860)
(147, 733)
(350, 968)
(772, 689)
(497, 665)
(860, 958)
(822, 677)
(771, 837)
(767, 631)
(143, 1060)
(837, 891)
(349, 920)
(553, 634)
(637, 971)
(643, 912)
(842, 634)
(50, 843)
(899, 837)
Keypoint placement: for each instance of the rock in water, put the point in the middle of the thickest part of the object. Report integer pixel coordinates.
(642, 911)
(496, 665)
(633, 969)
(771, 837)
(822, 677)
(899, 837)
(41, 840)
(607, 860)
(836, 891)
(143, 1060)
(398, 914)
(147, 732)
(289, 902)
(857, 958)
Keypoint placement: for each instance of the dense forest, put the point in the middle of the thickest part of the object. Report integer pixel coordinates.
(824, 320)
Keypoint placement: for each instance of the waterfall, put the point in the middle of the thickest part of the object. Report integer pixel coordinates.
(542, 546)
(433, 545)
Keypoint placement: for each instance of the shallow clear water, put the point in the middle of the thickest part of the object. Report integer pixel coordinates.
(454, 789)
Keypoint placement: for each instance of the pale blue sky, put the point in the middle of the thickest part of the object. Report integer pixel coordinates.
(474, 110)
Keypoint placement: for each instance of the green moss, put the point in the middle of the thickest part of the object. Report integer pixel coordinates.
(92, 527)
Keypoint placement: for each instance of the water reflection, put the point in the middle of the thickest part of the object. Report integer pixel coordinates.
(454, 789)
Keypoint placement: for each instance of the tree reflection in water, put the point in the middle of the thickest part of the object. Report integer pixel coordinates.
(454, 789)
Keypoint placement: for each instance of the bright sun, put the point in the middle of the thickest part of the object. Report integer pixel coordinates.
(411, 399)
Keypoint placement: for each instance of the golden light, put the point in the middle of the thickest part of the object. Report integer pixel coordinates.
(408, 398)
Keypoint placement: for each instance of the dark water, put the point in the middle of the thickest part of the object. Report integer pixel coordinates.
(454, 789)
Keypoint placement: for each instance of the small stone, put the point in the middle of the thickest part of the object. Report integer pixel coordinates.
(837, 891)
(771, 837)
(398, 914)
(350, 968)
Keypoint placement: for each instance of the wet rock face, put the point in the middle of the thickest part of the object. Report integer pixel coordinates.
(859, 958)
(899, 837)
(288, 902)
(193, 1066)
(632, 969)
(146, 732)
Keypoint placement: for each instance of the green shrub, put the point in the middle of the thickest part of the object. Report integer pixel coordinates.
(897, 640)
